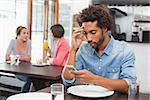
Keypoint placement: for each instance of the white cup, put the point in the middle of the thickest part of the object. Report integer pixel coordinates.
(57, 91)
(133, 91)
(18, 60)
(13, 59)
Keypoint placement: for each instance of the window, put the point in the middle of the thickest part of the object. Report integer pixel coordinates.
(65, 17)
(38, 27)
(12, 14)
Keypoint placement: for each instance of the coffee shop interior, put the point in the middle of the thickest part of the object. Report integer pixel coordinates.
(130, 23)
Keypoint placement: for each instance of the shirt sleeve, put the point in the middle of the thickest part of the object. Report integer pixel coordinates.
(67, 82)
(128, 69)
(10, 47)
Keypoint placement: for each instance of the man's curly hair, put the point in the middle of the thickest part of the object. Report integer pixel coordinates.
(97, 13)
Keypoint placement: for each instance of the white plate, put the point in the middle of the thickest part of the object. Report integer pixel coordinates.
(91, 91)
(31, 96)
(40, 65)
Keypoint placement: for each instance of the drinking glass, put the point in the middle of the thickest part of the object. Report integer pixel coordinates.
(45, 45)
(133, 91)
(18, 58)
(57, 91)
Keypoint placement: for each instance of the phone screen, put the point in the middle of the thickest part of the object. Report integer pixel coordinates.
(70, 67)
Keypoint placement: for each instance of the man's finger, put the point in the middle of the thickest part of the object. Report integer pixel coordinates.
(78, 72)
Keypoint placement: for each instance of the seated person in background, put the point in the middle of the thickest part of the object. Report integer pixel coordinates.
(60, 58)
(21, 46)
(102, 61)
(62, 46)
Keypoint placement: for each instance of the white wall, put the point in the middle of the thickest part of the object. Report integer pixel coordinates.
(78, 5)
(142, 65)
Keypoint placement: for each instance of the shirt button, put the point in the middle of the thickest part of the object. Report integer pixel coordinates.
(100, 61)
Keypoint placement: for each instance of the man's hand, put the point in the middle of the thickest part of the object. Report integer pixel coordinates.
(84, 76)
(77, 38)
(68, 74)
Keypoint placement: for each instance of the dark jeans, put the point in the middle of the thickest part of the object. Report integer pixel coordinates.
(27, 84)
(39, 83)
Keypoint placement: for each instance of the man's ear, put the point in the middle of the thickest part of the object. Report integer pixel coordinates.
(104, 30)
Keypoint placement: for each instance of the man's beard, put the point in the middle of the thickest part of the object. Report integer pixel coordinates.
(96, 45)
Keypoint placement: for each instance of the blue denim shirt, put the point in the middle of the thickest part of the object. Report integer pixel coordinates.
(116, 62)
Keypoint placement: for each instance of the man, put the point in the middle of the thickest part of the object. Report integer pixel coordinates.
(102, 61)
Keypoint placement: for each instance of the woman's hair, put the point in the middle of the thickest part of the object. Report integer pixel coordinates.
(18, 30)
(57, 30)
(97, 13)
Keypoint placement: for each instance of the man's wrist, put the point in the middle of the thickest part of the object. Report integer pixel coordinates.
(96, 78)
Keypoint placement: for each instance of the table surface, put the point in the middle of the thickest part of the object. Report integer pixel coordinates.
(115, 96)
(27, 69)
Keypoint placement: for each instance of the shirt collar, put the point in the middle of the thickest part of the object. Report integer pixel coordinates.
(108, 48)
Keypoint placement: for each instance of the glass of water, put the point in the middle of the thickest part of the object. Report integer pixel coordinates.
(57, 91)
(133, 91)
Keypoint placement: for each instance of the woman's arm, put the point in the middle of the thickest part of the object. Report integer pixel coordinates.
(7, 57)
(25, 58)
(9, 49)
(49, 52)
(49, 55)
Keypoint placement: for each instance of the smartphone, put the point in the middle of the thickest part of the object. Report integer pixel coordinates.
(70, 67)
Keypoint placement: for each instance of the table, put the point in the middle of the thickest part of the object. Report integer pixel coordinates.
(115, 96)
(27, 69)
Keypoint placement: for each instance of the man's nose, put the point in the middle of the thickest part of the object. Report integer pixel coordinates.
(89, 37)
